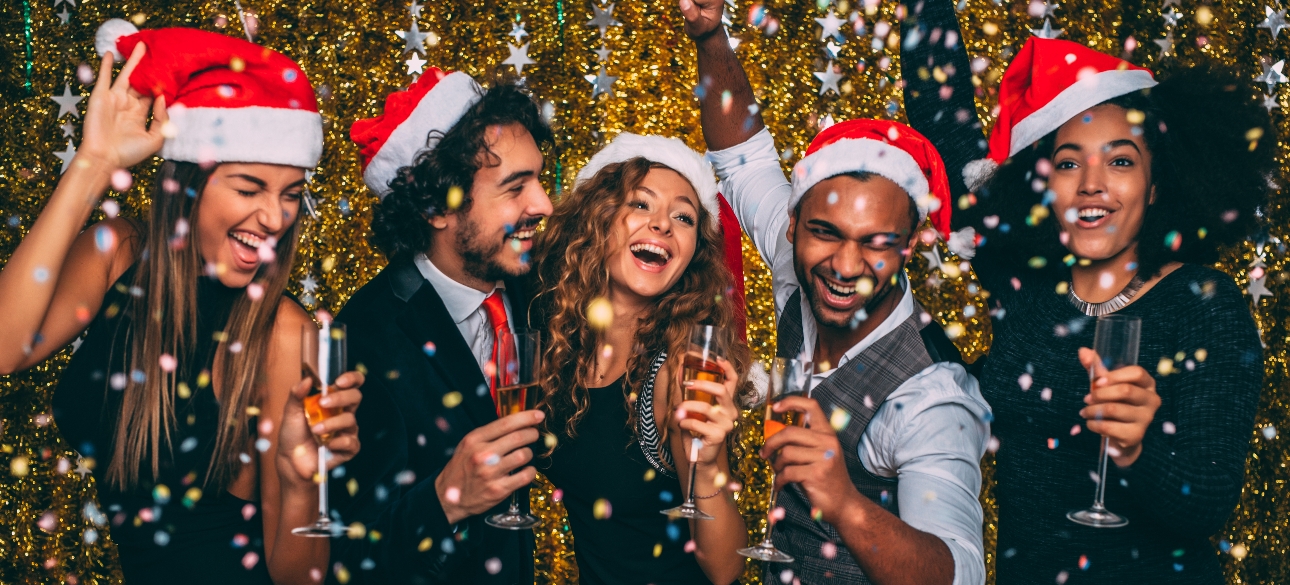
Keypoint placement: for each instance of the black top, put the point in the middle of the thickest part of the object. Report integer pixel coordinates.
(613, 497)
(1187, 481)
(171, 528)
(424, 392)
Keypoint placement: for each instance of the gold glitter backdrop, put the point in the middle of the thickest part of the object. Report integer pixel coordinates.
(354, 56)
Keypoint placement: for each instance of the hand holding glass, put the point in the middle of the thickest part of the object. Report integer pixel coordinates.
(699, 363)
(787, 378)
(517, 391)
(323, 355)
(1116, 344)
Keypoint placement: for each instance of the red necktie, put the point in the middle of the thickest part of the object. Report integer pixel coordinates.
(503, 344)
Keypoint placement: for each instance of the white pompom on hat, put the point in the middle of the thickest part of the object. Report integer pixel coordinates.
(670, 152)
(229, 100)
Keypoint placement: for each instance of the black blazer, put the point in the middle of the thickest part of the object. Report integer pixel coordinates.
(408, 435)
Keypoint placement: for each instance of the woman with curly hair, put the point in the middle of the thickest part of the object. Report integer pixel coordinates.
(640, 230)
(1107, 190)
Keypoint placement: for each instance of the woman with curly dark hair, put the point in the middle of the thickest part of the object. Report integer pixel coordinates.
(1107, 191)
(639, 236)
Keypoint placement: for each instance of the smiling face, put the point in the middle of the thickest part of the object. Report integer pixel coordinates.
(245, 209)
(1102, 180)
(847, 251)
(490, 240)
(654, 237)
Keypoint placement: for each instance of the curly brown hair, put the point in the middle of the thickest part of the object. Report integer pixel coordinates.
(570, 277)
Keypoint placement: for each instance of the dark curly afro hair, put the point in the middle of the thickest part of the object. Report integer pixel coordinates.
(400, 226)
(1212, 148)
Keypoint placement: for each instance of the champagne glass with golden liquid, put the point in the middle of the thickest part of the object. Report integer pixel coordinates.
(517, 390)
(699, 363)
(787, 378)
(323, 356)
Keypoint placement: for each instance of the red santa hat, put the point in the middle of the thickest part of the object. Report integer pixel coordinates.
(434, 103)
(671, 152)
(229, 100)
(1049, 82)
(885, 148)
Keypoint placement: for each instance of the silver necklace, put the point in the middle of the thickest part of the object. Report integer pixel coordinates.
(1116, 302)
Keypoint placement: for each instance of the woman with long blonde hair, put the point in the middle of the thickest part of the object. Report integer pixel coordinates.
(186, 386)
(639, 234)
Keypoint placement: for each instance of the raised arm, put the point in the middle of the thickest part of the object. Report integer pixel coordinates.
(51, 276)
(725, 123)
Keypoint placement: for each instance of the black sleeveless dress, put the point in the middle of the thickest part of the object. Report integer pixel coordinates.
(613, 493)
(171, 529)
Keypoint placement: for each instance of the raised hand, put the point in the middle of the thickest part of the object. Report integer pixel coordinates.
(812, 457)
(298, 443)
(720, 416)
(116, 129)
(702, 17)
(1121, 405)
(478, 476)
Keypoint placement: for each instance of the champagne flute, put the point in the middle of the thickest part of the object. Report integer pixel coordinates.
(788, 377)
(1116, 342)
(322, 360)
(517, 391)
(699, 363)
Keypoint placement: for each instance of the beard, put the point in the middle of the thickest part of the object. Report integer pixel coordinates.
(480, 256)
(881, 291)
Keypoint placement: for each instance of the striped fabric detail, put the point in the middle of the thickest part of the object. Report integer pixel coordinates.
(647, 433)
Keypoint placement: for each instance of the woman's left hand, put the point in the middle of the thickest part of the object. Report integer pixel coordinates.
(720, 417)
(298, 443)
(1121, 406)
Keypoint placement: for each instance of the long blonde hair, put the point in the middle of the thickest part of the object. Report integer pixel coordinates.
(164, 321)
(571, 273)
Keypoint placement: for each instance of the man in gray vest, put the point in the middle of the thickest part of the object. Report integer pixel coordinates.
(881, 487)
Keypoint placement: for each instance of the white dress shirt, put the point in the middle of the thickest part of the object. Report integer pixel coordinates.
(466, 307)
(932, 430)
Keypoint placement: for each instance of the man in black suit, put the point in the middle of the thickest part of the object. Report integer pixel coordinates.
(457, 169)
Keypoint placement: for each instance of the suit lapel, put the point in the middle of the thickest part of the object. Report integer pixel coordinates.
(425, 319)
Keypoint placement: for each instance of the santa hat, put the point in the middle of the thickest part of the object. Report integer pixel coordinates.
(885, 148)
(434, 103)
(229, 100)
(671, 152)
(1048, 83)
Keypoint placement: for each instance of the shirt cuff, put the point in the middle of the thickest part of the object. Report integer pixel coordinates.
(969, 564)
(759, 147)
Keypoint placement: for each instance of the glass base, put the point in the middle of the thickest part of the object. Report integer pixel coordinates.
(686, 510)
(765, 552)
(323, 528)
(512, 521)
(1097, 517)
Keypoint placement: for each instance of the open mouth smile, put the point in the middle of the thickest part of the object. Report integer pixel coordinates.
(650, 257)
(1091, 217)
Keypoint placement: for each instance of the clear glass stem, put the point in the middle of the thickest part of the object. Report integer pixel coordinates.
(322, 483)
(1099, 497)
(692, 456)
(770, 512)
(515, 505)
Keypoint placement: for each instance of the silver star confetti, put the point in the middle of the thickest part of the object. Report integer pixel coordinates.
(519, 57)
(830, 25)
(67, 102)
(308, 284)
(69, 129)
(1258, 288)
(601, 82)
(1047, 31)
(416, 65)
(831, 49)
(71, 2)
(1171, 17)
(63, 16)
(1050, 9)
(603, 19)
(1272, 75)
(413, 39)
(66, 155)
(1166, 45)
(415, 10)
(1169, 3)
(829, 79)
(518, 32)
(934, 261)
(1271, 102)
(602, 53)
(1274, 22)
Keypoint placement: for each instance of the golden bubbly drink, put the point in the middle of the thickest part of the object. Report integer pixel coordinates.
(694, 367)
(515, 399)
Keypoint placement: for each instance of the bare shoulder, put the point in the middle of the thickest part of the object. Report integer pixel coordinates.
(113, 245)
(290, 320)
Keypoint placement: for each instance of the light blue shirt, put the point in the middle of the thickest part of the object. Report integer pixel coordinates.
(932, 430)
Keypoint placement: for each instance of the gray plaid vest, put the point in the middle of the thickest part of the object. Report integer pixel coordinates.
(859, 387)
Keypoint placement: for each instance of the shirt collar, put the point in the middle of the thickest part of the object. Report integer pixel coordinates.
(460, 300)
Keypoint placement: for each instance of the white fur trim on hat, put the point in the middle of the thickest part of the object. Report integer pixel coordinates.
(1089, 91)
(671, 152)
(963, 243)
(106, 36)
(247, 134)
(977, 172)
(438, 111)
(863, 154)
